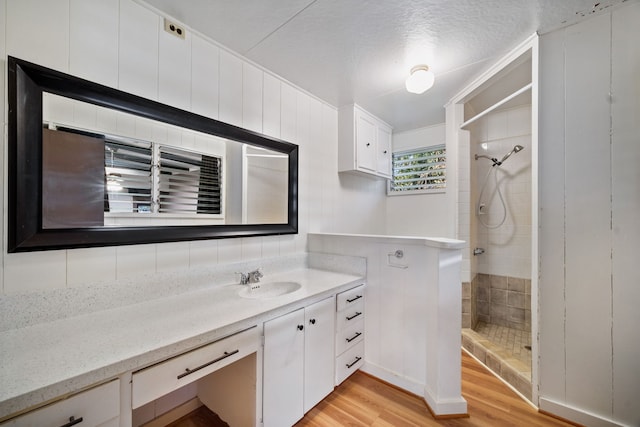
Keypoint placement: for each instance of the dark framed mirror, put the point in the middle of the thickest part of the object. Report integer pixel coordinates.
(89, 165)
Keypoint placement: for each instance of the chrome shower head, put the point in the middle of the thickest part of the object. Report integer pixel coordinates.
(516, 149)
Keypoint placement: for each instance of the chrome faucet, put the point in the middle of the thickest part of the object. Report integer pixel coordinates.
(255, 275)
(251, 277)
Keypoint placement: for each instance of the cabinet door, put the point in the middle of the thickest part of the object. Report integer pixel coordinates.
(365, 142)
(283, 362)
(383, 153)
(319, 351)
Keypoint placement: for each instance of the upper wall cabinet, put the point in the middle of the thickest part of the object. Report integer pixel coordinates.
(364, 143)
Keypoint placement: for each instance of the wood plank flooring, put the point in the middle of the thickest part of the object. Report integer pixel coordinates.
(364, 401)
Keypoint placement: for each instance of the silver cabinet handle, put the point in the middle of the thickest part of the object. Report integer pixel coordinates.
(191, 371)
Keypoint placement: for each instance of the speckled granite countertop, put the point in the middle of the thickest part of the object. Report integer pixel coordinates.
(44, 361)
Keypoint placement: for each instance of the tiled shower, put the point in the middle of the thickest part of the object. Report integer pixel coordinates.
(496, 301)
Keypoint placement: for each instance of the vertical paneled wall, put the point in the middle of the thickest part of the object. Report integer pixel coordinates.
(590, 199)
(122, 44)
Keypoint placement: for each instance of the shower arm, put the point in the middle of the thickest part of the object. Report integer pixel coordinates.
(493, 159)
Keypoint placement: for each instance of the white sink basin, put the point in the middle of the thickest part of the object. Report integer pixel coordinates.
(268, 289)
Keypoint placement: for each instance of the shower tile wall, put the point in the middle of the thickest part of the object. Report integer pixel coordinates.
(503, 300)
(507, 247)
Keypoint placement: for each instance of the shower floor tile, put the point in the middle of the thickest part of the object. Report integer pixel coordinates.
(512, 341)
(502, 349)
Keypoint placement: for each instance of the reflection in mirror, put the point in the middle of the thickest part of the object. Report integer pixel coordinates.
(89, 165)
(126, 170)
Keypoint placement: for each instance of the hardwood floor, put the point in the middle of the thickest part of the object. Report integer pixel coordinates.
(364, 401)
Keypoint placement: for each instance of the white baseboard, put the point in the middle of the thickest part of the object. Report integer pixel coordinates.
(393, 378)
(438, 407)
(442, 407)
(575, 414)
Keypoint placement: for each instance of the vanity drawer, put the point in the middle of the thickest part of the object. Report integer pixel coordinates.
(350, 336)
(350, 316)
(349, 298)
(349, 362)
(99, 406)
(158, 380)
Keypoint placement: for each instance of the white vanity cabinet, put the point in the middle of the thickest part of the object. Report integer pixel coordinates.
(349, 332)
(97, 407)
(364, 143)
(298, 362)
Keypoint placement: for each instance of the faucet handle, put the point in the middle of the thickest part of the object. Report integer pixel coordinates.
(244, 277)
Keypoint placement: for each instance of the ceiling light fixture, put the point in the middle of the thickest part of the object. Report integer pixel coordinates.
(420, 79)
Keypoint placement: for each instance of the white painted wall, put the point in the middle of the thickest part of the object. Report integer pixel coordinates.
(589, 200)
(426, 215)
(122, 44)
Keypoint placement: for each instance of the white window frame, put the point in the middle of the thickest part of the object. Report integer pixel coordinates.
(442, 188)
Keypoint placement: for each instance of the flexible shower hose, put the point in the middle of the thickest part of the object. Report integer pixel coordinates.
(479, 214)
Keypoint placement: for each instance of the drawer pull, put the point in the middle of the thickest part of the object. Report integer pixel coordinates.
(350, 365)
(191, 371)
(354, 299)
(354, 337)
(358, 313)
(72, 421)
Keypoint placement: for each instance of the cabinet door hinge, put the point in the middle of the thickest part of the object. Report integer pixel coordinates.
(262, 340)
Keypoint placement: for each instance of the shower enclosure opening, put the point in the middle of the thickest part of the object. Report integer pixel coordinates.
(498, 327)
(494, 126)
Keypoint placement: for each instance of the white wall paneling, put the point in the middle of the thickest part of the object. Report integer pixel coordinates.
(271, 106)
(29, 272)
(625, 152)
(589, 203)
(135, 260)
(39, 32)
(203, 253)
(138, 50)
(174, 68)
(172, 256)
(94, 23)
(205, 76)
(288, 105)
(317, 164)
(252, 97)
(230, 88)
(552, 217)
(85, 265)
(305, 170)
(588, 207)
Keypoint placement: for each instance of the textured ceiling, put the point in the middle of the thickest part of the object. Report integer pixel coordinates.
(346, 51)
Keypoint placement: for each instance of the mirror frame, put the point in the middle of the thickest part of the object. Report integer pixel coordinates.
(26, 84)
